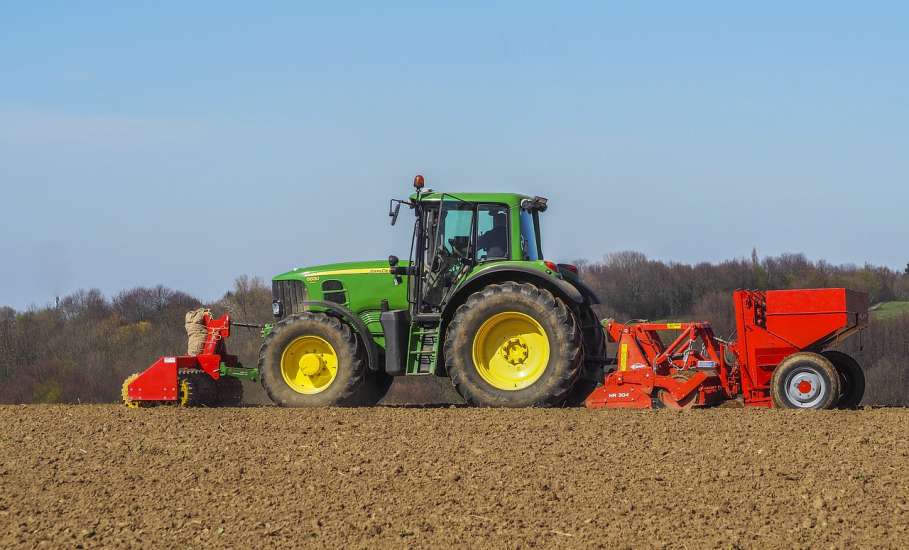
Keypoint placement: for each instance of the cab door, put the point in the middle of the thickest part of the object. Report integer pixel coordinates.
(451, 255)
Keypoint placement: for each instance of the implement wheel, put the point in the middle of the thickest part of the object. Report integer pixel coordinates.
(230, 391)
(124, 393)
(852, 379)
(805, 381)
(513, 345)
(195, 388)
(312, 360)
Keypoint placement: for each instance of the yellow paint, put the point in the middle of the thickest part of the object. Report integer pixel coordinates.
(673, 326)
(361, 271)
(623, 356)
(511, 351)
(309, 365)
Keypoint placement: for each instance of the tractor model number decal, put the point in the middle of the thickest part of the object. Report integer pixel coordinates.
(673, 326)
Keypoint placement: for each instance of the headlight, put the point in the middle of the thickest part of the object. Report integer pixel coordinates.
(276, 308)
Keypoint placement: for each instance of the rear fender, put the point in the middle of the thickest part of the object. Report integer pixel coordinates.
(561, 288)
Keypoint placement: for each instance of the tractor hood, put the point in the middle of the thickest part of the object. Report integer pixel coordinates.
(358, 286)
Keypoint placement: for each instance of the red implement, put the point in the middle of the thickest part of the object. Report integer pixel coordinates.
(160, 381)
(699, 369)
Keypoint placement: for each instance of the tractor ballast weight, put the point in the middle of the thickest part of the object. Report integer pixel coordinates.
(775, 328)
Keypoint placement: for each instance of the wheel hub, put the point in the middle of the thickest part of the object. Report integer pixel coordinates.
(311, 364)
(515, 351)
(805, 388)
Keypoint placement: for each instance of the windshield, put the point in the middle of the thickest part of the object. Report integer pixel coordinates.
(530, 249)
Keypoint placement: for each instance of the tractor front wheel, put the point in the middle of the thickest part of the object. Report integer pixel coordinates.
(513, 345)
(312, 360)
(805, 380)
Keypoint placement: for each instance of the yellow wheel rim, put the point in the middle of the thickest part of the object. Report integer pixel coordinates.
(186, 392)
(511, 350)
(309, 365)
(124, 392)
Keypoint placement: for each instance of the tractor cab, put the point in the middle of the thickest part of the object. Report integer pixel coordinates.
(457, 235)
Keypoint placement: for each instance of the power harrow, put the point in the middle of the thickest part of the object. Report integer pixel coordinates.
(210, 378)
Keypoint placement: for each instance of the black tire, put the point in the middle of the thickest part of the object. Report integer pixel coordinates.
(564, 338)
(821, 379)
(195, 388)
(852, 378)
(347, 386)
(230, 391)
(593, 370)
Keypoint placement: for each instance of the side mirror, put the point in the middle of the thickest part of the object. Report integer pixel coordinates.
(394, 208)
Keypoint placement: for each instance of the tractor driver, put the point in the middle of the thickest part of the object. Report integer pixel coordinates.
(494, 241)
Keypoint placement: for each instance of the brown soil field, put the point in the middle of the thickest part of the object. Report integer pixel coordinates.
(106, 476)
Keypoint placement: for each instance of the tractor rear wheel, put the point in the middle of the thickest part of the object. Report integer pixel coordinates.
(312, 360)
(513, 345)
(805, 380)
(852, 378)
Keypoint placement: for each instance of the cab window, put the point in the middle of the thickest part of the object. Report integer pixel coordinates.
(530, 249)
(492, 232)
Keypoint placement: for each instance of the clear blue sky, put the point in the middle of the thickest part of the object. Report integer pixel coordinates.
(185, 143)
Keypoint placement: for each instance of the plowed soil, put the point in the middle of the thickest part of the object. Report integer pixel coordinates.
(96, 476)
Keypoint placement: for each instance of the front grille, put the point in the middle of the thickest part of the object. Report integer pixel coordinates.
(291, 294)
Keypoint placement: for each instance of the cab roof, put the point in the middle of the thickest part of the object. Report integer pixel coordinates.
(511, 199)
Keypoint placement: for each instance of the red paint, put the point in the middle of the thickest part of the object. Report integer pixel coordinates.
(804, 386)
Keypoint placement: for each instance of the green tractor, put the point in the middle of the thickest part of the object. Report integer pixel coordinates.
(476, 302)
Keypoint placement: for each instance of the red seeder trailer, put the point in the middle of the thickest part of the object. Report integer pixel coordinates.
(778, 359)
